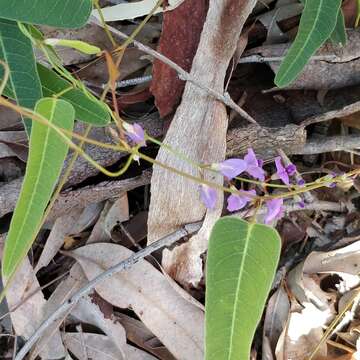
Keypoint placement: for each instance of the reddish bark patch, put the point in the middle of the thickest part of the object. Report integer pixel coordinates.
(179, 40)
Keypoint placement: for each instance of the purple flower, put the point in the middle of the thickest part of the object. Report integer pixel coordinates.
(275, 210)
(135, 132)
(301, 204)
(208, 196)
(281, 171)
(291, 169)
(239, 201)
(301, 182)
(231, 167)
(254, 165)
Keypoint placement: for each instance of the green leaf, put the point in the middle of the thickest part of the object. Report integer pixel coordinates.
(338, 36)
(241, 263)
(47, 152)
(317, 22)
(88, 110)
(58, 13)
(79, 45)
(24, 83)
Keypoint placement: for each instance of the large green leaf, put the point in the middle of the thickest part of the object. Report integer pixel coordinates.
(317, 23)
(46, 157)
(58, 13)
(241, 264)
(89, 110)
(16, 50)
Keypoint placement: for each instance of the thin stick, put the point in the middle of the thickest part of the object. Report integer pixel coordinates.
(262, 59)
(184, 75)
(329, 144)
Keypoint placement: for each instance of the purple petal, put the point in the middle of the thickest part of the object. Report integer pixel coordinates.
(256, 172)
(291, 169)
(232, 167)
(301, 204)
(279, 165)
(236, 202)
(301, 182)
(281, 171)
(250, 158)
(239, 201)
(254, 166)
(208, 196)
(135, 132)
(284, 177)
(275, 210)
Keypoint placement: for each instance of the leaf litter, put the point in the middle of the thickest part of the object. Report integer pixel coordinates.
(141, 313)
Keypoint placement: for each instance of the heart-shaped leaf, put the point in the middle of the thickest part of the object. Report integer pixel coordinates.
(241, 264)
(46, 157)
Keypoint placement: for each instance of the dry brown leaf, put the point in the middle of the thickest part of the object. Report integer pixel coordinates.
(26, 318)
(64, 291)
(277, 313)
(302, 334)
(306, 288)
(344, 260)
(118, 213)
(74, 282)
(92, 309)
(71, 224)
(141, 336)
(94, 346)
(198, 131)
(178, 324)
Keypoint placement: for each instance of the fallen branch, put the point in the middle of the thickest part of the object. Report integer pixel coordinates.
(329, 144)
(338, 113)
(166, 241)
(69, 200)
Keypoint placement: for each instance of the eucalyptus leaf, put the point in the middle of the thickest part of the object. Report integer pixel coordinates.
(47, 152)
(58, 13)
(241, 263)
(317, 23)
(17, 52)
(87, 109)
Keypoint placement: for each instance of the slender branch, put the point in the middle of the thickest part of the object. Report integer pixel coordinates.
(183, 75)
(262, 59)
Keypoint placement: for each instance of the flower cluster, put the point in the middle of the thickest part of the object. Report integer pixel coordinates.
(231, 168)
